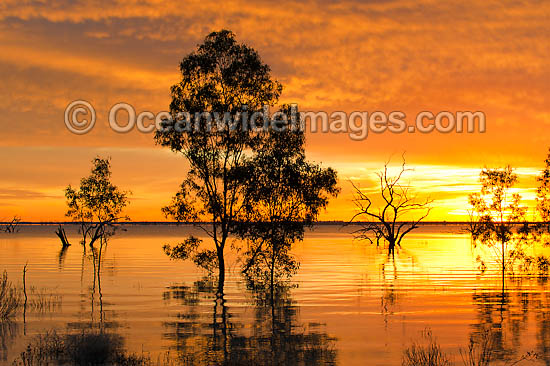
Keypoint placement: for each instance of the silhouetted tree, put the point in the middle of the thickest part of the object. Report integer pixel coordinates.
(97, 204)
(13, 225)
(498, 212)
(543, 193)
(60, 232)
(425, 352)
(229, 79)
(474, 226)
(387, 220)
(538, 234)
(286, 195)
(190, 249)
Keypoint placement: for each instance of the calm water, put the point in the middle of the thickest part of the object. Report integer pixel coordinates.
(351, 304)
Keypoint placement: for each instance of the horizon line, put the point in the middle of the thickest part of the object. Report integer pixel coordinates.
(323, 222)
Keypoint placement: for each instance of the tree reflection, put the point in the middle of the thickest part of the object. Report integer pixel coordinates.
(96, 317)
(8, 331)
(61, 256)
(507, 316)
(272, 336)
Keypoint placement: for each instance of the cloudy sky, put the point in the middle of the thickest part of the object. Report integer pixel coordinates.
(411, 56)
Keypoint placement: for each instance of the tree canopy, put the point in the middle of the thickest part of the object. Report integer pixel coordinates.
(225, 77)
(286, 196)
(543, 192)
(97, 204)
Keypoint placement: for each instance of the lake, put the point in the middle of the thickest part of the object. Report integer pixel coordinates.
(349, 304)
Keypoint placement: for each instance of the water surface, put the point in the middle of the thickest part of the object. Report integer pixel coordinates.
(351, 304)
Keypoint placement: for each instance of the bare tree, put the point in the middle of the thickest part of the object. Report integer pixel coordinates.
(60, 232)
(386, 222)
(13, 225)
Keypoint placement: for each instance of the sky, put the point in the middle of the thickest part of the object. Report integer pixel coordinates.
(409, 56)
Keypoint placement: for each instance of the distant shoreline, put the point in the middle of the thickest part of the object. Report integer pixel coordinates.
(49, 223)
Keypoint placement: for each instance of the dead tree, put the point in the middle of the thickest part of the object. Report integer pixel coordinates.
(60, 232)
(398, 214)
(12, 226)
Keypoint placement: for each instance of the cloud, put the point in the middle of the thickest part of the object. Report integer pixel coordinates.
(23, 194)
(350, 55)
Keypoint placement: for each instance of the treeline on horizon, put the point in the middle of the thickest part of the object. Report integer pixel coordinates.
(318, 222)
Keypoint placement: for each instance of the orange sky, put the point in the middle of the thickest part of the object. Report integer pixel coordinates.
(351, 55)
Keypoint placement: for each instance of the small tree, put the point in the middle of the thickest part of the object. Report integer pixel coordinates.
(286, 195)
(222, 77)
(399, 213)
(10, 298)
(539, 233)
(97, 204)
(543, 193)
(498, 212)
(13, 225)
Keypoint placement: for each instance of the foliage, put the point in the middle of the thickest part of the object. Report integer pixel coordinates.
(500, 220)
(481, 352)
(538, 234)
(541, 230)
(84, 349)
(97, 204)
(10, 298)
(543, 192)
(286, 196)
(496, 208)
(189, 249)
(387, 222)
(221, 76)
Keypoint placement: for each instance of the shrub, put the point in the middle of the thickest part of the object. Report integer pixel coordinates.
(10, 298)
(425, 353)
(82, 349)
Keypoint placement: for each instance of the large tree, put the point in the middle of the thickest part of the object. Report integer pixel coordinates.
(286, 196)
(391, 214)
(226, 78)
(97, 204)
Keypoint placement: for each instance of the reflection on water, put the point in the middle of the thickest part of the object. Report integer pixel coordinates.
(508, 316)
(8, 332)
(94, 317)
(273, 335)
(348, 305)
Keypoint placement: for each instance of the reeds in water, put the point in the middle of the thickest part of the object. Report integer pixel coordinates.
(10, 298)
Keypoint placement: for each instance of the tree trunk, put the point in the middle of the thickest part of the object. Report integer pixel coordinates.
(62, 236)
(272, 282)
(391, 248)
(221, 268)
(503, 266)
